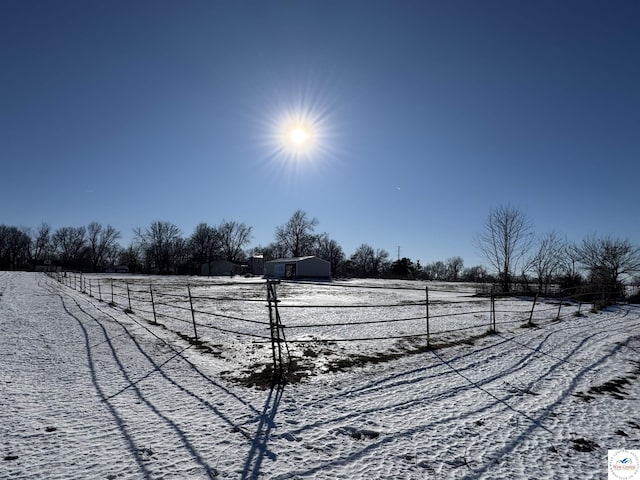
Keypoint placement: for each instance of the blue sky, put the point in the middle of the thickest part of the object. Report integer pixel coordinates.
(424, 116)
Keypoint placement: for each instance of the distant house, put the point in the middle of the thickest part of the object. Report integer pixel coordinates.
(47, 266)
(117, 269)
(222, 267)
(256, 265)
(298, 267)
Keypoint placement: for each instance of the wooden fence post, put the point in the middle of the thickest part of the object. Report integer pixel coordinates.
(426, 292)
(99, 291)
(277, 334)
(559, 308)
(492, 328)
(153, 305)
(535, 299)
(129, 310)
(193, 315)
(112, 302)
(270, 301)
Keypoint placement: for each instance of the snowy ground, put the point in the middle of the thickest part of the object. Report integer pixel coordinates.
(88, 391)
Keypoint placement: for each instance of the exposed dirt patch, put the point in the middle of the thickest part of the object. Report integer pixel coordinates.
(584, 445)
(358, 434)
(261, 375)
(614, 387)
(412, 346)
(199, 344)
(529, 325)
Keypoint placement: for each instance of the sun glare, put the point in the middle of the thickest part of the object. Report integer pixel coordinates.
(299, 130)
(299, 136)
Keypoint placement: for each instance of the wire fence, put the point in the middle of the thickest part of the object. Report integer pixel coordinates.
(300, 319)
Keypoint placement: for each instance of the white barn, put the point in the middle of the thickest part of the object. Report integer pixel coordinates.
(298, 267)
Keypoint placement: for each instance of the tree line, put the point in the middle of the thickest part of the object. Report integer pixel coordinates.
(507, 241)
(517, 255)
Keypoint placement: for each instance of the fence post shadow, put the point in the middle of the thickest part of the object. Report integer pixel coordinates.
(259, 443)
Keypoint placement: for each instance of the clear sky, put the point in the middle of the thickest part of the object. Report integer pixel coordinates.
(422, 116)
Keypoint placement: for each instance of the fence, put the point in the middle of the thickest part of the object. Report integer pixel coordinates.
(318, 325)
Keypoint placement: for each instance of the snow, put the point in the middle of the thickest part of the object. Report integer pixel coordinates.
(90, 391)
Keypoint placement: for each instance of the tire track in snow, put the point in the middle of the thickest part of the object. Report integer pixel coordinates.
(394, 380)
(505, 450)
(177, 352)
(144, 325)
(258, 446)
(574, 357)
(178, 355)
(445, 409)
(122, 427)
(421, 376)
(139, 454)
(473, 365)
(50, 399)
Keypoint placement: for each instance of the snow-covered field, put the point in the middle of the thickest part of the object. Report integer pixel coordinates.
(90, 391)
(328, 325)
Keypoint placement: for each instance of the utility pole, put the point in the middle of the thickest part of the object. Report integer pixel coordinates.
(398, 252)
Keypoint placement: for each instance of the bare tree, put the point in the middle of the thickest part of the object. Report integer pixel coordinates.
(569, 271)
(435, 270)
(14, 248)
(41, 245)
(570, 259)
(70, 244)
(506, 237)
(179, 251)
(234, 236)
(380, 261)
(103, 242)
(329, 250)
(132, 257)
(157, 243)
(362, 260)
(272, 251)
(608, 259)
(368, 262)
(474, 274)
(296, 236)
(454, 268)
(547, 261)
(204, 244)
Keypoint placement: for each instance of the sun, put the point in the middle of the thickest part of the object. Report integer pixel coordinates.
(298, 126)
(299, 136)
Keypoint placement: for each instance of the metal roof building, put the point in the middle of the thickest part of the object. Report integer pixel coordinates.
(298, 267)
